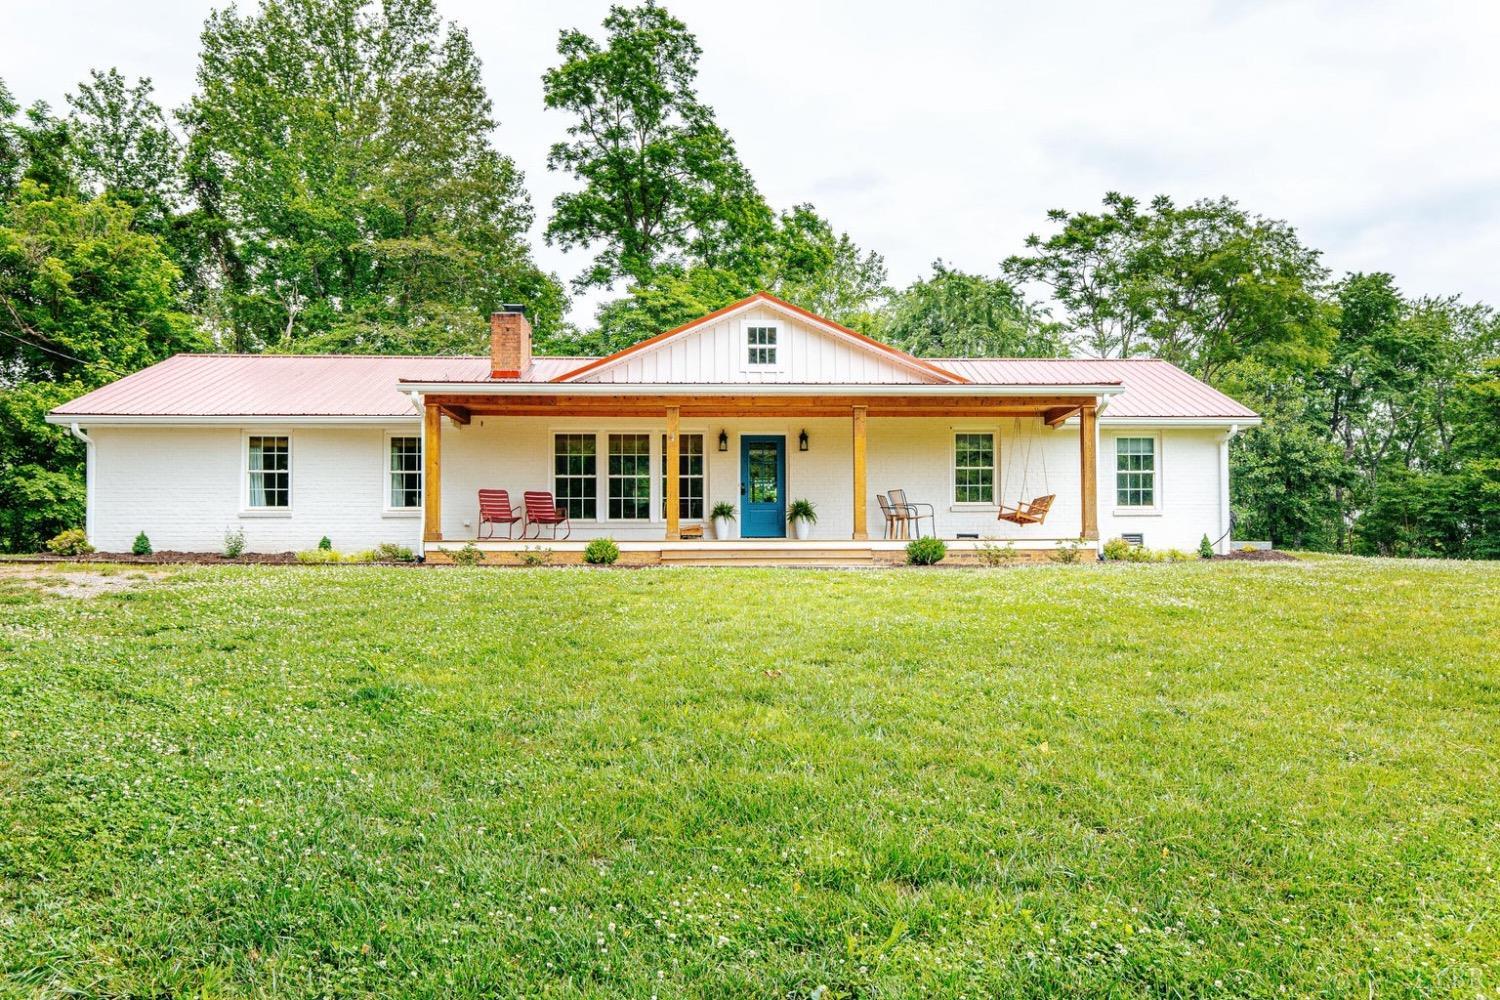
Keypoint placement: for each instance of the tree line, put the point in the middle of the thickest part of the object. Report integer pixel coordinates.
(332, 186)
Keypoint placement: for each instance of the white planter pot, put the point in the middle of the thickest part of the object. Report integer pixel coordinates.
(802, 529)
(721, 528)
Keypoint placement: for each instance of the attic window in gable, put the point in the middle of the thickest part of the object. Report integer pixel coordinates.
(760, 346)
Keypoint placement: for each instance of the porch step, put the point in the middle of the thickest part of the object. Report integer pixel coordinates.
(767, 557)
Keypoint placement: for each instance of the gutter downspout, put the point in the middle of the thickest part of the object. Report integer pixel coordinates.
(1224, 540)
(88, 480)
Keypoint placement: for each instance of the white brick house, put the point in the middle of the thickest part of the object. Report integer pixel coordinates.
(762, 402)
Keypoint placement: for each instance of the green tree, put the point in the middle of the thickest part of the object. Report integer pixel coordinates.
(954, 314)
(123, 146)
(660, 181)
(11, 162)
(84, 297)
(1202, 286)
(808, 263)
(339, 154)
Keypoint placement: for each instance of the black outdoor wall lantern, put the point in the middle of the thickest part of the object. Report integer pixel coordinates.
(802, 440)
(723, 440)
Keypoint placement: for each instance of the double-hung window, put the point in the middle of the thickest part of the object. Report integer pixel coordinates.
(689, 476)
(973, 468)
(405, 477)
(629, 477)
(269, 467)
(760, 346)
(1135, 471)
(575, 474)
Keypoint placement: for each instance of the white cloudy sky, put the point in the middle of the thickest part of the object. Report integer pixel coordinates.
(947, 129)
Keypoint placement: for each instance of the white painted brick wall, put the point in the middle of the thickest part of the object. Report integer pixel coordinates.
(184, 486)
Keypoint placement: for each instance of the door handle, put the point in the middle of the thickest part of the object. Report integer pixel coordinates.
(742, 489)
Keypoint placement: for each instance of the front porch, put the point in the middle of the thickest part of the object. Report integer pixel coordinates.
(603, 457)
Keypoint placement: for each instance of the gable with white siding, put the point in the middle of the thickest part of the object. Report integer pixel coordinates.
(717, 352)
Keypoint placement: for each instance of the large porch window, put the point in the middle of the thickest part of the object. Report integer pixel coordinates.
(575, 474)
(973, 468)
(689, 476)
(629, 477)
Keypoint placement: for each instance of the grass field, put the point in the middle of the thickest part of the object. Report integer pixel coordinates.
(1194, 780)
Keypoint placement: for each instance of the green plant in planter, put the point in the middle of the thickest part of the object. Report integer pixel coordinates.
(925, 551)
(802, 510)
(601, 552)
(141, 546)
(723, 509)
(1205, 548)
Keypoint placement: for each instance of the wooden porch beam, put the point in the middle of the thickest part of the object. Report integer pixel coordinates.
(860, 414)
(1089, 472)
(457, 414)
(1054, 416)
(709, 405)
(673, 471)
(432, 473)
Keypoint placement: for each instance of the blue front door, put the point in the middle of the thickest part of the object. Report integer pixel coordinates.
(762, 486)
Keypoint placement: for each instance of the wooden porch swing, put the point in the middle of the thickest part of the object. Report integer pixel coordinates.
(1025, 512)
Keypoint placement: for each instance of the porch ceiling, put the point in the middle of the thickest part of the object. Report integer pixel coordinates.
(1052, 408)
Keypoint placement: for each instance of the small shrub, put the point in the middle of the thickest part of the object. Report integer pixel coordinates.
(1205, 548)
(539, 556)
(925, 551)
(72, 542)
(1069, 552)
(362, 556)
(325, 544)
(1140, 554)
(993, 554)
(1117, 550)
(601, 552)
(315, 557)
(391, 552)
(234, 542)
(141, 546)
(1247, 548)
(1176, 555)
(469, 555)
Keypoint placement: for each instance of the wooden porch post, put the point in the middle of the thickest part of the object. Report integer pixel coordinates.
(432, 473)
(673, 470)
(1088, 472)
(860, 419)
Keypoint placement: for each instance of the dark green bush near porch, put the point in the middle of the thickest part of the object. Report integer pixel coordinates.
(601, 552)
(925, 551)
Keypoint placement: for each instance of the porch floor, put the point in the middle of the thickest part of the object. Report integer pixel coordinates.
(739, 551)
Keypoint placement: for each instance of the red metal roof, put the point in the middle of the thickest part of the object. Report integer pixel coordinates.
(266, 385)
(1152, 388)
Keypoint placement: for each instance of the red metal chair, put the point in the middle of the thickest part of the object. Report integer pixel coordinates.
(541, 510)
(495, 508)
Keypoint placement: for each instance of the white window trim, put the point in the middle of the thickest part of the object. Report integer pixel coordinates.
(389, 509)
(659, 503)
(745, 345)
(1155, 509)
(954, 504)
(601, 473)
(602, 449)
(244, 473)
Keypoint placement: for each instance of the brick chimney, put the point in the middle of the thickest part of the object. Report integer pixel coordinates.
(510, 342)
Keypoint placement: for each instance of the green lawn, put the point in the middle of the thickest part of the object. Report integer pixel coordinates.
(1164, 780)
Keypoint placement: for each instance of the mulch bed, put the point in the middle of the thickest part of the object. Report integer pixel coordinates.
(1259, 555)
(166, 558)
